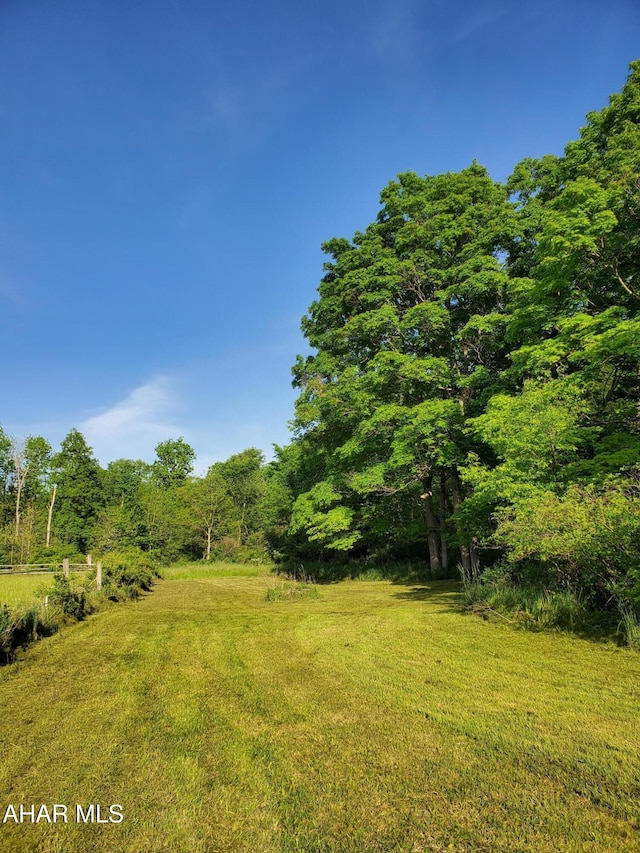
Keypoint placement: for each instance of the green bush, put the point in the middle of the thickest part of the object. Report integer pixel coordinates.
(128, 572)
(629, 625)
(72, 602)
(530, 595)
(253, 550)
(20, 626)
(55, 554)
(586, 538)
(560, 609)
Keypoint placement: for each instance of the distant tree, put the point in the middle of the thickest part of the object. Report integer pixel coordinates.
(122, 521)
(278, 496)
(6, 469)
(123, 479)
(31, 459)
(174, 462)
(209, 509)
(80, 494)
(243, 479)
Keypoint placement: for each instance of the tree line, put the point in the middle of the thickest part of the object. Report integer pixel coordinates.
(473, 391)
(65, 504)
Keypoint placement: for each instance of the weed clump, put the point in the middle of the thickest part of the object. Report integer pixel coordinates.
(629, 625)
(526, 596)
(288, 587)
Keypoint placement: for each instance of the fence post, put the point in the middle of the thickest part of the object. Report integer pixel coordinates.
(89, 560)
(99, 574)
(65, 567)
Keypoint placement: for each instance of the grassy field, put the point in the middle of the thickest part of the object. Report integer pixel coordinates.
(200, 571)
(20, 589)
(376, 718)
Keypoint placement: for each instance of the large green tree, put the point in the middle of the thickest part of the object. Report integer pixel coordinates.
(122, 522)
(566, 436)
(409, 334)
(210, 511)
(574, 307)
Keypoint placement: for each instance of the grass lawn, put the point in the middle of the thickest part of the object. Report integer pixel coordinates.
(19, 589)
(376, 717)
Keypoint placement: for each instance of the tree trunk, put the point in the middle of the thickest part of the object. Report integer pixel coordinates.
(456, 493)
(53, 500)
(475, 557)
(444, 548)
(432, 527)
(18, 494)
(241, 525)
(21, 476)
(207, 555)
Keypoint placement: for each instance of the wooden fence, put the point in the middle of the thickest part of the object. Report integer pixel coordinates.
(47, 568)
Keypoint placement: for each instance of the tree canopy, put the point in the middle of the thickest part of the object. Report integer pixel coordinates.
(476, 362)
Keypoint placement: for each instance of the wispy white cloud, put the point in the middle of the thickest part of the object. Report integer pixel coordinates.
(485, 16)
(395, 33)
(133, 426)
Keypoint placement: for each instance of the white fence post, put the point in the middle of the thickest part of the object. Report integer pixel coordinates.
(99, 574)
(65, 567)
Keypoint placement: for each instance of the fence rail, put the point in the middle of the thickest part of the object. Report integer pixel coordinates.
(47, 568)
(26, 568)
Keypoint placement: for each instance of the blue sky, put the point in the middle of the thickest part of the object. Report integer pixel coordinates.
(168, 171)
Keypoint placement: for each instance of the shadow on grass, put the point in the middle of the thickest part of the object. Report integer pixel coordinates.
(446, 592)
(408, 572)
(423, 593)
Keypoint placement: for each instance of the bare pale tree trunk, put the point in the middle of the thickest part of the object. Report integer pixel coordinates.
(18, 455)
(444, 548)
(207, 555)
(19, 482)
(432, 527)
(51, 503)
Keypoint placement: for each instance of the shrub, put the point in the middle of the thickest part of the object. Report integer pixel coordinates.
(128, 572)
(253, 550)
(587, 538)
(530, 596)
(72, 602)
(20, 626)
(55, 554)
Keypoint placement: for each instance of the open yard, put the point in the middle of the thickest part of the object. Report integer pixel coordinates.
(376, 717)
(18, 589)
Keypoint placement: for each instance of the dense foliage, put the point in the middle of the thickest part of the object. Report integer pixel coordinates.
(475, 377)
(65, 504)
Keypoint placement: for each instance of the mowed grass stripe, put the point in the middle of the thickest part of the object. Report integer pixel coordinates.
(375, 718)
